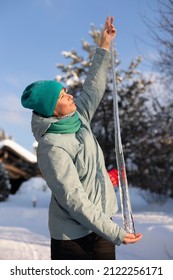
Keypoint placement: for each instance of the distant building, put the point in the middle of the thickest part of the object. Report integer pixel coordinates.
(19, 162)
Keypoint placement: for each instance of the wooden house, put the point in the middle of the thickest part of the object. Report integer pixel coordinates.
(19, 162)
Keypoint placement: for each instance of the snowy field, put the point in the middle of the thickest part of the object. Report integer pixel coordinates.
(24, 231)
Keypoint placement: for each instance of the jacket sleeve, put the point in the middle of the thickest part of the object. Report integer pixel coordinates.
(94, 85)
(65, 185)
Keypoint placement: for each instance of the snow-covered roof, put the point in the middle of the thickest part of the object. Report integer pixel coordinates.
(18, 149)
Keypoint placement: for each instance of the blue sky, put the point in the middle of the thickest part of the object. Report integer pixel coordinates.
(35, 32)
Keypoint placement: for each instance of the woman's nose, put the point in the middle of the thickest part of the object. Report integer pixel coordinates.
(70, 96)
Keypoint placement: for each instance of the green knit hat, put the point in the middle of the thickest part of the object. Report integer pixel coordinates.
(42, 96)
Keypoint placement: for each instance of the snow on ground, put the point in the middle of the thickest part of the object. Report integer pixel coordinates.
(23, 228)
(24, 231)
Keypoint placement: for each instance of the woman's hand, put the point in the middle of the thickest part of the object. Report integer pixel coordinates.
(131, 238)
(108, 34)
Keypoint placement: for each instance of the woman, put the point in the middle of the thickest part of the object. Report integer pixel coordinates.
(71, 161)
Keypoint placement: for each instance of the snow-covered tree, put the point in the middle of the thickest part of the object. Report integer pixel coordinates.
(4, 183)
(161, 30)
(155, 154)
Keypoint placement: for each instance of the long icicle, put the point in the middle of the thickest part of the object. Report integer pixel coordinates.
(128, 222)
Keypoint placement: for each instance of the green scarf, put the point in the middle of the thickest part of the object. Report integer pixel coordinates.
(66, 125)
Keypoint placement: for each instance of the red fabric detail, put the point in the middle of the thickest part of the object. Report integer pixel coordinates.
(113, 174)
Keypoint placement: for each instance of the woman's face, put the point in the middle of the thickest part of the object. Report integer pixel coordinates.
(65, 104)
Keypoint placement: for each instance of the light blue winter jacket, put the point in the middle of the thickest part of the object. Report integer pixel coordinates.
(83, 199)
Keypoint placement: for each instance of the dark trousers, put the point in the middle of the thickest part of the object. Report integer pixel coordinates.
(90, 247)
